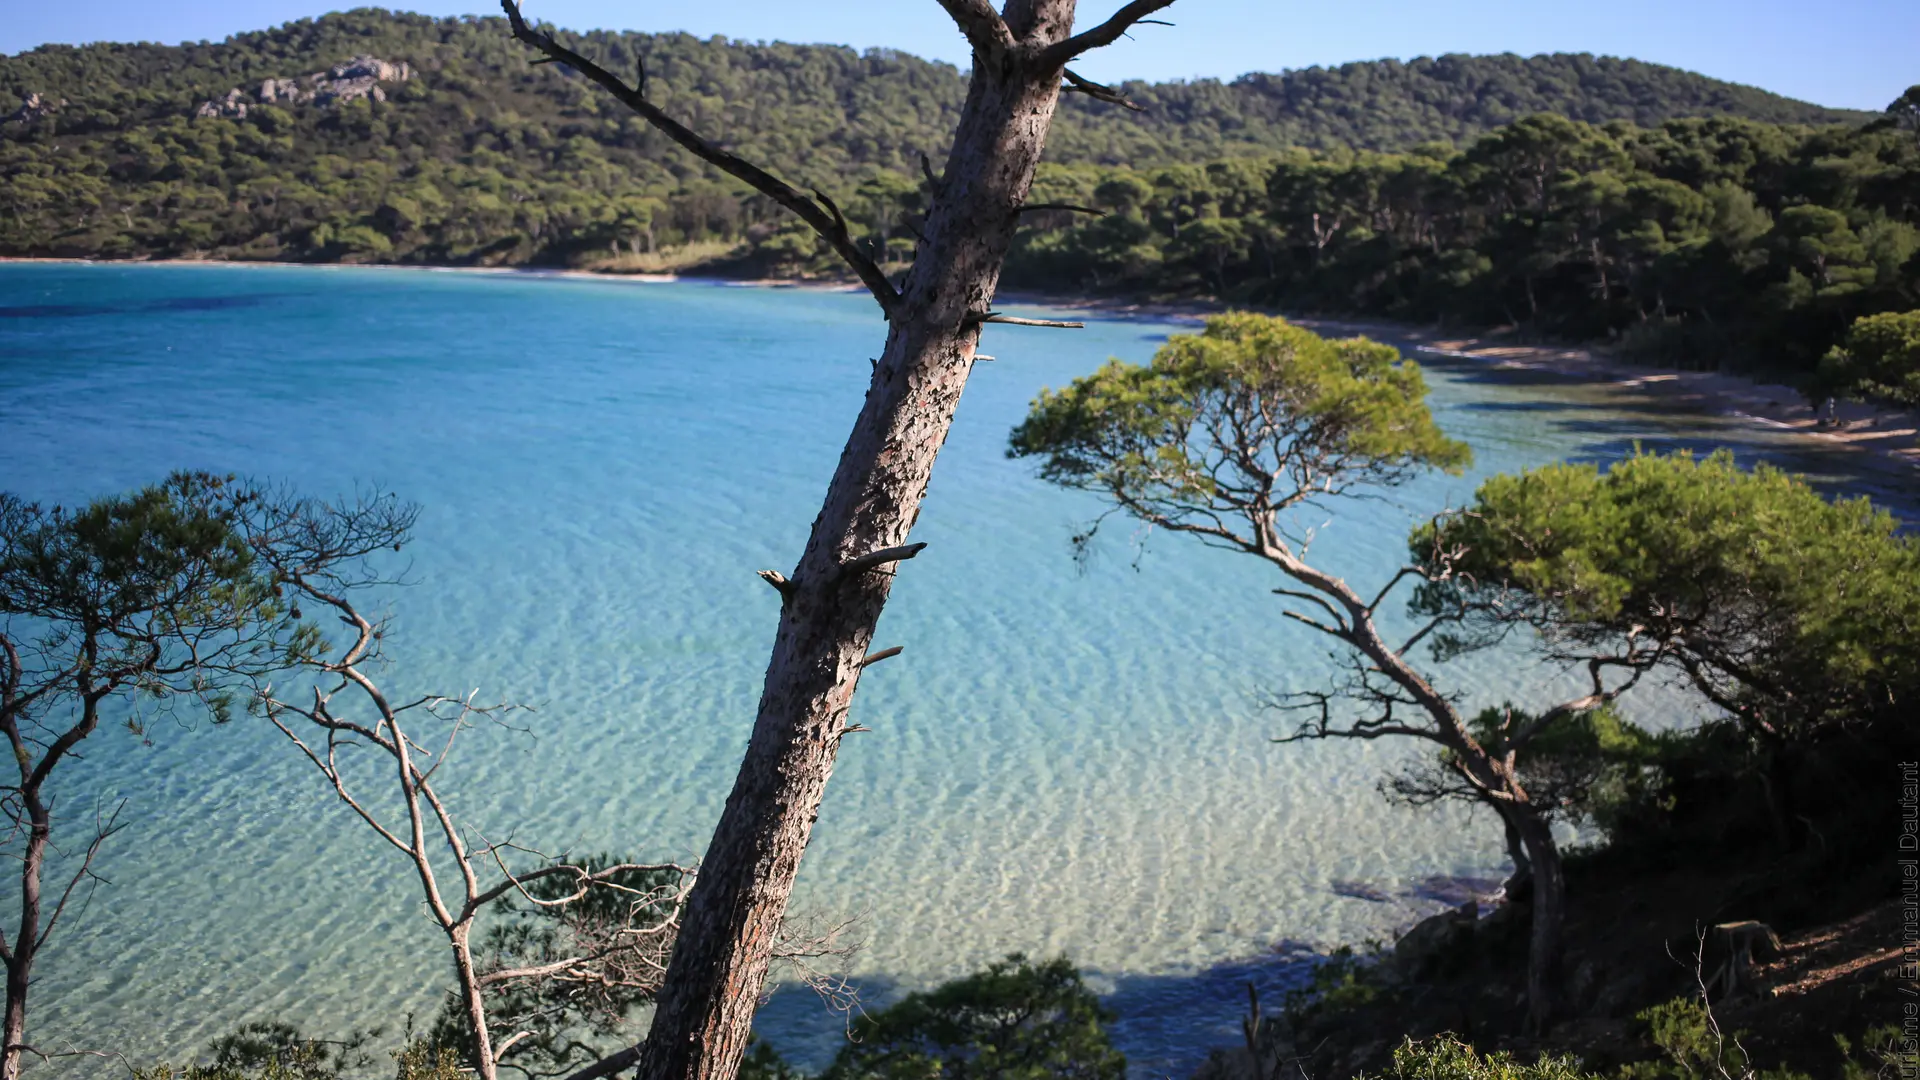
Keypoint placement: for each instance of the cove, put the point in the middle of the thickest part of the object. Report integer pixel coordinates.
(1067, 759)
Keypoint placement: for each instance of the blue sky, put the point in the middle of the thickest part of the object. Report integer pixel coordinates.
(1850, 53)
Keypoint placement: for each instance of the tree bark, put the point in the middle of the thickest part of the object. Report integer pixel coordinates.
(26, 940)
(473, 1000)
(1537, 857)
(1517, 887)
(25, 943)
(1548, 905)
(827, 619)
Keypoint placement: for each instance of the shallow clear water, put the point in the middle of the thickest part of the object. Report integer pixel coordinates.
(1062, 761)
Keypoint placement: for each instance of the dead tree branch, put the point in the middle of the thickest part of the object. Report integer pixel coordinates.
(601, 952)
(822, 216)
(48, 1056)
(103, 828)
(1035, 208)
(996, 317)
(877, 559)
(778, 580)
(883, 654)
(1077, 84)
(1103, 35)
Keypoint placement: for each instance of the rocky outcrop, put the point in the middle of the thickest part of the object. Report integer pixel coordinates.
(359, 77)
(32, 108)
(233, 105)
(1436, 942)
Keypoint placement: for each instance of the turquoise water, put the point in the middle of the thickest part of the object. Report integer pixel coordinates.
(1062, 761)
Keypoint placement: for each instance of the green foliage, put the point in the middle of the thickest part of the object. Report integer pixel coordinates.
(124, 554)
(480, 157)
(1903, 113)
(1884, 1050)
(1694, 1048)
(762, 1062)
(1322, 189)
(1776, 603)
(160, 599)
(1594, 767)
(271, 1050)
(1319, 417)
(1017, 1020)
(1342, 982)
(268, 1044)
(1447, 1058)
(424, 1061)
(1694, 242)
(1880, 358)
(153, 597)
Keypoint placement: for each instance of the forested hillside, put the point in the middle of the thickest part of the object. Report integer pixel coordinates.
(478, 155)
(1698, 243)
(1569, 194)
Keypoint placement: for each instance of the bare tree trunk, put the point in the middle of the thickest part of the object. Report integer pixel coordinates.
(1522, 878)
(473, 999)
(831, 604)
(827, 619)
(1536, 855)
(29, 935)
(1549, 911)
(25, 943)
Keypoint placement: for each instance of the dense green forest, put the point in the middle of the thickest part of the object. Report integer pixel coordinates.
(479, 156)
(1696, 242)
(1568, 194)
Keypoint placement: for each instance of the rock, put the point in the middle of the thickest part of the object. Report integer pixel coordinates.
(32, 107)
(1435, 940)
(1359, 890)
(359, 77)
(233, 105)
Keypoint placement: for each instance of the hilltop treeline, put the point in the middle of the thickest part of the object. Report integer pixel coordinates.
(1694, 241)
(785, 103)
(481, 157)
(1675, 207)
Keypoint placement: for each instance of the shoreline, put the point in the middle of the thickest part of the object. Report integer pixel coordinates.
(1879, 431)
(1888, 433)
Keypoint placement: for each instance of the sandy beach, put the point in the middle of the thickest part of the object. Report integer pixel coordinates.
(1893, 434)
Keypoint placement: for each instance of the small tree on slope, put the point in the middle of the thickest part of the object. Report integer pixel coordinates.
(130, 607)
(1227, 437)
(1790, 613)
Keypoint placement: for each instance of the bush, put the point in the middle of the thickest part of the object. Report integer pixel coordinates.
(1880, 359)
(1447, 1058)
(1694, 1048)
(1340, 983)
(1777, 605)
(270, 1050)
(1017, 1020)
(1595, 767)
(1887, 1052)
